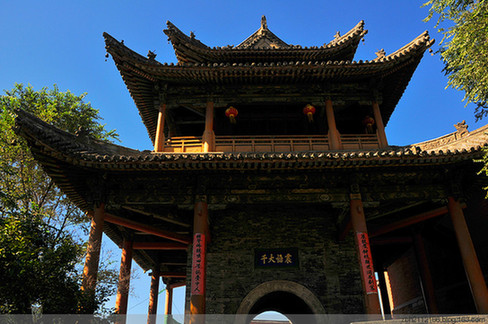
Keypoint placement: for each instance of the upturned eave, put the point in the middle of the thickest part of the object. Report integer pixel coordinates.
(51, 144)
(190, 50)
(143, 76)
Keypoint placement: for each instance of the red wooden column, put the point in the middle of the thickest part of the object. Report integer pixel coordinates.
(153, 297)
(364, 253)
(159, 140)
(198, 276)
(168, 306)
(124, 278)
(208, 140)
(425, 275)
(334, 135)
(468, 254)
(90, 269)
(380, 127)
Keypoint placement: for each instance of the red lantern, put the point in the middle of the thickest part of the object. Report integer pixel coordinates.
(309, 110)
(368, 123)
(231, 113)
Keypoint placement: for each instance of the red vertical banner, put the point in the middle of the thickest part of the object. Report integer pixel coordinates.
(366, 262)
(198, 265)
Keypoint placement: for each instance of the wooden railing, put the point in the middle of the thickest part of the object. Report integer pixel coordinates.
(183, 144)
(260, 143)
(271, 143)
(359, 142)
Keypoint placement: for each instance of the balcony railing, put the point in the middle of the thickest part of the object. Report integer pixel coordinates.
(183, 144)
(359, 142)
(259, 143)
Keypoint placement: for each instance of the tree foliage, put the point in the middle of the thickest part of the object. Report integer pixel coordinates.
(40, 250)
(37, 267)
(464, 47)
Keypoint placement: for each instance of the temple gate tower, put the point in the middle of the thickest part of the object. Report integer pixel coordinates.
(272, 185)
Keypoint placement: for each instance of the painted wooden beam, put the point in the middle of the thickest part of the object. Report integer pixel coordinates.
(159, 246)
(391, 240)
(169, 274)
(166, 219)
(177, 284)
(409, 221)
(147, 229)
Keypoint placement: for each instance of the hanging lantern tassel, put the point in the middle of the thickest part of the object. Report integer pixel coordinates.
(309, 110)
(231, 113)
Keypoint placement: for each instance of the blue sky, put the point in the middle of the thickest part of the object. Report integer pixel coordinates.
(60, 42)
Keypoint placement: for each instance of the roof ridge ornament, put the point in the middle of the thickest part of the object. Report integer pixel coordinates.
(264, 23)
(151, 55)
(263, 39)
(461, 128)
(381, 53)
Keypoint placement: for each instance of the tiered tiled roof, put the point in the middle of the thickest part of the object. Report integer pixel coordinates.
(256, 48)
(70, 159)
(142, 74)
(48, 142)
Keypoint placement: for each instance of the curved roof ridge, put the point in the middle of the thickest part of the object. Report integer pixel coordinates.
(173, 31)
(33, 128)
(263, 45)
(458, 140)
(419, 41)
(357, 30)
(113, 46)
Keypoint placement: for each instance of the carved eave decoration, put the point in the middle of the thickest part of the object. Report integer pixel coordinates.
(263, 46)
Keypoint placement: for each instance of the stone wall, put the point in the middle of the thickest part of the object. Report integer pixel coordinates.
(329, 269)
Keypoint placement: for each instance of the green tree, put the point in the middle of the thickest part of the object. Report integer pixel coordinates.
(464, 47)
(40, 250)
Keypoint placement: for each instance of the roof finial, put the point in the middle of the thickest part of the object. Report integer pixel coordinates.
(264, 24)
(381, 53)
(151, 55)
(461, 127)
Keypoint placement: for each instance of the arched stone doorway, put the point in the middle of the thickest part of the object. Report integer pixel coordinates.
(286, 297)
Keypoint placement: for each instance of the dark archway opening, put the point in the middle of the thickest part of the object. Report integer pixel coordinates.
(285, 303)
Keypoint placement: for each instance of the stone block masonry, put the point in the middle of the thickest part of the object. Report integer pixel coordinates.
(327, 268)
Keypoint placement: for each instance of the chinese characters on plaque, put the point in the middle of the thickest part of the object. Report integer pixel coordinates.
(366, 263)
(198, 266)
(276, 258)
